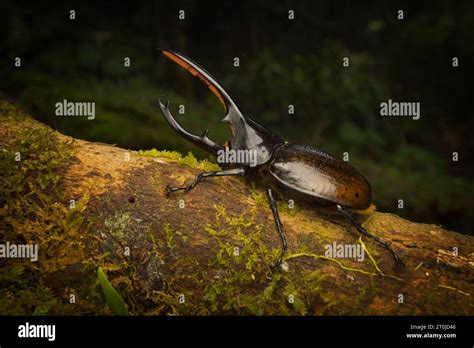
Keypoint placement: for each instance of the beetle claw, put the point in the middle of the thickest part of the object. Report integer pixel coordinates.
(280, 266)
(284, 266)
(168, 190)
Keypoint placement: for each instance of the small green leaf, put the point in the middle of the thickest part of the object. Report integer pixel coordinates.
(114, 300)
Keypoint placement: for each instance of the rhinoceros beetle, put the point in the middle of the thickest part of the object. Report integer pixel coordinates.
(303, 172)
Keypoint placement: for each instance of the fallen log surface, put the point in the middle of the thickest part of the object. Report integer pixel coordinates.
(209, 251)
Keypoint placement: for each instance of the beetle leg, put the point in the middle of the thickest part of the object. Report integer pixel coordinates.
(278, 225)
(199, 177)
(368, 234)
(202, 141)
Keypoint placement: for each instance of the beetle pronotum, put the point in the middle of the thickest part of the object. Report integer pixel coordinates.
(305, 172)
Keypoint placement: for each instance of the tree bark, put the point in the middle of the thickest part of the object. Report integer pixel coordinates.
(210, 251)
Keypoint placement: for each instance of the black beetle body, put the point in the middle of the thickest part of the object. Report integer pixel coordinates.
(299, 171)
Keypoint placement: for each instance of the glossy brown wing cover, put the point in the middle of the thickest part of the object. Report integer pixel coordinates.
(316, 174)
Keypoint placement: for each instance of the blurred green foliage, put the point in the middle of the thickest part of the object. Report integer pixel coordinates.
(282, 62)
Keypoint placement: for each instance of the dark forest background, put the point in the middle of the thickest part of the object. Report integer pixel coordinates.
(282, 62)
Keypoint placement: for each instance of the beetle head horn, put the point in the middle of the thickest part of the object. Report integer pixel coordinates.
(202, 141)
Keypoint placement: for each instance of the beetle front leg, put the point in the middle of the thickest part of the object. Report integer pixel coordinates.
(368, 234)
(199, 177)
(278, 225)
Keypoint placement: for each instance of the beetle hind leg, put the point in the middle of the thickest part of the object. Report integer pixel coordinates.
(368, 234)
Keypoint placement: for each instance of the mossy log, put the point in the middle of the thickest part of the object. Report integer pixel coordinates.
(210, 251)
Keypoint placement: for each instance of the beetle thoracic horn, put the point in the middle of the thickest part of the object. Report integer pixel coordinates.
(233, 114)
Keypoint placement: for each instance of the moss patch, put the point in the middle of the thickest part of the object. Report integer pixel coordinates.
(188, 160)
(33, 211)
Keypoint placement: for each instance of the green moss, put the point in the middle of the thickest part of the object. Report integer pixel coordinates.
(188, 160)
(250, 285)
(322, 230)
(172, 155)
(367, 292)
(169, 235)
(286, 208)
(34, 211)
(10, 112)
(259, 197)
